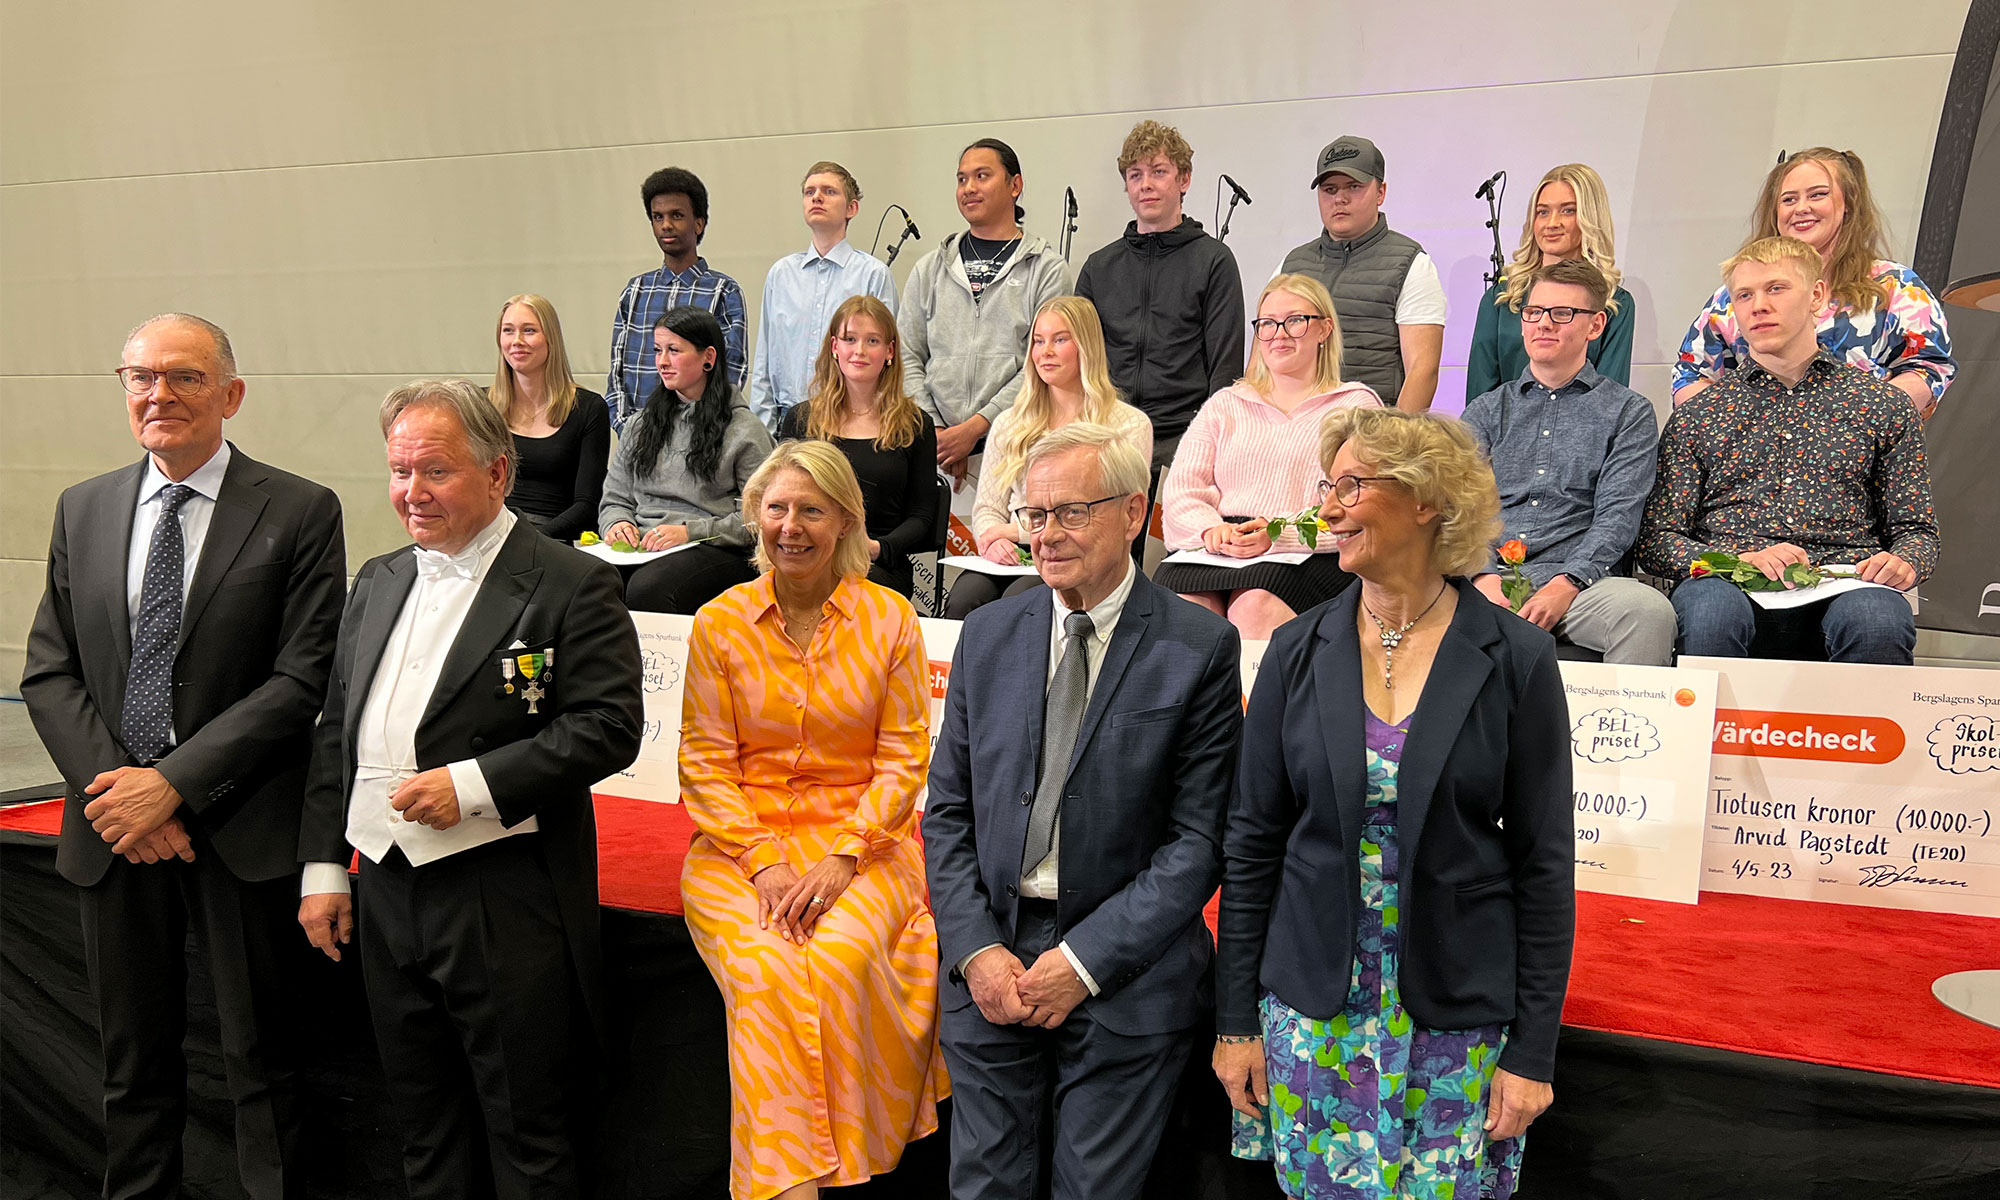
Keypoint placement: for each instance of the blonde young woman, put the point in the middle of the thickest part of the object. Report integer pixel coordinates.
(1068, 380)
(857, 401)
(1569, 217)
(562, 432)
(1880, 317)
(1249, 456)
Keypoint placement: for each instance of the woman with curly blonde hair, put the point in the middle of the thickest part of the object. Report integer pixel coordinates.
(857, 401)
(1398, 895)
(1880, 317)
(1569, 217)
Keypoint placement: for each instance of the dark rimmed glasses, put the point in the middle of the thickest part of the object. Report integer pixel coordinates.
(181, 381)
(1070, 516)
(1295, 325)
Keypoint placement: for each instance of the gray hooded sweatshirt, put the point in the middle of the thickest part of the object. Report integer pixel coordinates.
(667, 492)
(961, 356)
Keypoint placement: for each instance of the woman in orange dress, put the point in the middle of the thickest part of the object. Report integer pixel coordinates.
(805, 736)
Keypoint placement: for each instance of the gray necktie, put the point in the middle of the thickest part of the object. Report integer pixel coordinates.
(147, 722)
(1062, 719)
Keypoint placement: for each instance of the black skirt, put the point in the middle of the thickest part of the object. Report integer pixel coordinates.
(1314, 581)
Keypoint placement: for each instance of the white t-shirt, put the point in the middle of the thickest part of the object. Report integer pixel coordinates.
(1421, 302)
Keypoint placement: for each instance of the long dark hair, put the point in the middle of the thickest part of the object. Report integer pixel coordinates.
(1010, 162)
(708, 416)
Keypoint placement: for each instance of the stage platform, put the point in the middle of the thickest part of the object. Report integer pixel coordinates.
(1739, 1048)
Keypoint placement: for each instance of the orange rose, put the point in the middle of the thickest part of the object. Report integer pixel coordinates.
(1514, 550)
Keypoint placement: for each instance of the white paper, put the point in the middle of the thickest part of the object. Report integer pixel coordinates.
(631, 558)
(1800, 597)
(1202, 558)
(984, 565)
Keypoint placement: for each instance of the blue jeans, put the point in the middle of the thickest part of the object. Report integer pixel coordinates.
(1717, 618)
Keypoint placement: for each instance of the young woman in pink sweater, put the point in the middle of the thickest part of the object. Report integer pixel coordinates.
(1251, 454)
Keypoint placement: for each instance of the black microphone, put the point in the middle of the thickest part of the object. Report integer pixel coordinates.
(909, 225)
(1237, 188)
(1486, 189)
(1069, 202)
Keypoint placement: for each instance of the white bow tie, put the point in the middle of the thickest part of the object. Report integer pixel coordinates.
(432, 564)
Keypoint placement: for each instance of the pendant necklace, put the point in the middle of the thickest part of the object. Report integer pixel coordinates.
(1391, 638)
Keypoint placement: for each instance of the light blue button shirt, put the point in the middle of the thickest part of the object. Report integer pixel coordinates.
(800, 294)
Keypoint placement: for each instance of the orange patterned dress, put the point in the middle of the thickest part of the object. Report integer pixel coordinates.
(786, 758)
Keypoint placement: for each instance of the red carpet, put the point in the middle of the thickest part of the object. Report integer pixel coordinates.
(1824, 983)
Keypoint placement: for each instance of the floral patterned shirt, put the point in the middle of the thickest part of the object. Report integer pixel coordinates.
(1834, 465)
(1906, 334)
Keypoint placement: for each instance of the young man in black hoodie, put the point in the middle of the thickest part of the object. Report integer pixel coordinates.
(1168, 294)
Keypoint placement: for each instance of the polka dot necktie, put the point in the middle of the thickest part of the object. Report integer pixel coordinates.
(149, 685)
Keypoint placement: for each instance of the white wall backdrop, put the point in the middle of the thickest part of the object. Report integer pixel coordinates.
(351, 190)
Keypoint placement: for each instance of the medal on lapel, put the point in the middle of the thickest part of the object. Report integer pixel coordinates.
(531, 668)
(507, 674)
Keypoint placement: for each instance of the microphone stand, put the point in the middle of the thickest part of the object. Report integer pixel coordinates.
(904, 236)
(1222, 235)
(1495, 197)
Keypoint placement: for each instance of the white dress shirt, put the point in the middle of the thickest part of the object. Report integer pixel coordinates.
(194, 515)
(1043, 883)
(385, 740)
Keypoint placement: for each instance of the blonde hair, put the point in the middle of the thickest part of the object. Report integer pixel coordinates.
(1439, 461)
(898, 419)
(1149, 138)
(830, 472)
(1849, 265)
(1034, 406)
(557, 383)
(1772, 251)
(1326, 368)
(1593, 223)
(828, 167)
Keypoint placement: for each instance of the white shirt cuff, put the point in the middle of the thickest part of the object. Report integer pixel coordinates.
(1076, 964)
(965, 962)
(323, 878)
(474, 798)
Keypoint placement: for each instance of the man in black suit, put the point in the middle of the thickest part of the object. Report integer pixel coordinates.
(1073, 835)
(173, 672)
(484, 679)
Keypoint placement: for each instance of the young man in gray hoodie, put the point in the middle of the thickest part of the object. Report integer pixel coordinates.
(970, 304)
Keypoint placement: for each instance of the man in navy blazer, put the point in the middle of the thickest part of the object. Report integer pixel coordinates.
(1068, 893)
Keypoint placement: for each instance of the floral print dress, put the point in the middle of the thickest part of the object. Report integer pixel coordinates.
(1368, 1105)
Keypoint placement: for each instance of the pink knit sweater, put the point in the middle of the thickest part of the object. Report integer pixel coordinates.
(1243, 457)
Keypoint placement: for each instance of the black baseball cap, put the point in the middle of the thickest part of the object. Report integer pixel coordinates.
(1355, 157)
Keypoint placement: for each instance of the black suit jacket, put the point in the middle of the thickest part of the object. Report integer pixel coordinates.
(1142, 811)
(541, 594)
(257, 629)
(1483, 809)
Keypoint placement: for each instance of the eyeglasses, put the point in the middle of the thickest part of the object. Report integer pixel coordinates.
(181, 381)
(1294, 325)
(1561, 316)
(1070, 516)
(1347, 488)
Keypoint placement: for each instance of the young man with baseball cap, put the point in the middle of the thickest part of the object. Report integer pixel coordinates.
(1385, 288)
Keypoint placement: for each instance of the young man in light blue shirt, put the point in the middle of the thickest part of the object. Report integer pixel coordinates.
(802, 290)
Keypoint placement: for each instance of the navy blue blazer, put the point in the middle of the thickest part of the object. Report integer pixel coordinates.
(1142, 811)
(1487, 878)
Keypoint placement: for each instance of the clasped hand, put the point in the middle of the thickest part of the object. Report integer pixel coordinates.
(794, 903)
(134, 811)
(1246, 539)
(1009, 992)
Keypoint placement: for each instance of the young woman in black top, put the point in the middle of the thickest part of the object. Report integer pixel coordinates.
(857, 402)
(562, 433)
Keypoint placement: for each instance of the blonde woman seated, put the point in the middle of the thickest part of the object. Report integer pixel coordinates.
(1251, 455)
(804, 739)
(1068, 380)
(857, 402)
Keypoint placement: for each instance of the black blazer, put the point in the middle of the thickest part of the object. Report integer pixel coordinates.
(1141, 819)
(539, 593)
(257, 630)
(1483, 805)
